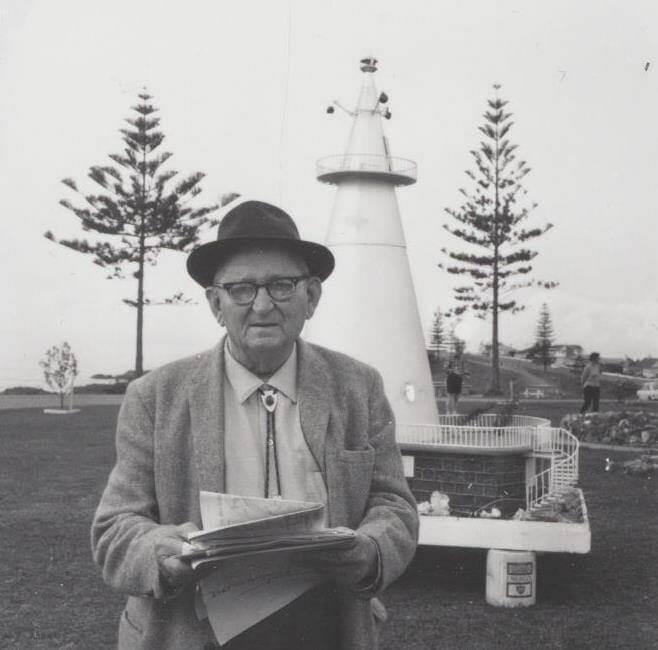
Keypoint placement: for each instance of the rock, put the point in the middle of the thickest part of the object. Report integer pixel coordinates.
(614, 427)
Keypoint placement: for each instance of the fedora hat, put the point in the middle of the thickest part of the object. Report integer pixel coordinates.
(259, 223)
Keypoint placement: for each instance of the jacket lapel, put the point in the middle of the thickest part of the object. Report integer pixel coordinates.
(314, 401)
(206, 398)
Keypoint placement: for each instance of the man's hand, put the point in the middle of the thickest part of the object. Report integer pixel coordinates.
(175, 572)
(359, 563)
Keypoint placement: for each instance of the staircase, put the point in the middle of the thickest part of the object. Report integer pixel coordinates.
(559, 449)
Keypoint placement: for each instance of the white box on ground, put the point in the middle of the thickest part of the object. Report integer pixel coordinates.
(511, 578)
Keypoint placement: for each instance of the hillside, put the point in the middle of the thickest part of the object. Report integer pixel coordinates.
(525, 374)
(478, 379)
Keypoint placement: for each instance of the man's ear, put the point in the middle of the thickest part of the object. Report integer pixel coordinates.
(215, 305)
(313, 295)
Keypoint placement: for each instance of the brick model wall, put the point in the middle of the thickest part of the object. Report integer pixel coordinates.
(471, 481)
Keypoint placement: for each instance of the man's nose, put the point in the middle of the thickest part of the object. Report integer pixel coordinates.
(262, 302)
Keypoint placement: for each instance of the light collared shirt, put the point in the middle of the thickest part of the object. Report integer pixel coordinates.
(592, 375)
(245, 426)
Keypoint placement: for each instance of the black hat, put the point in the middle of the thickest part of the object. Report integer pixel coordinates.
(255, 222)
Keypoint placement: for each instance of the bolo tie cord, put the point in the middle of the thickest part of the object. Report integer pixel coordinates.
(269, 397)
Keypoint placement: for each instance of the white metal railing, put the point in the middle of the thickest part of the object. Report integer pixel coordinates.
(561, 448)
(365, 162)
(486, 430)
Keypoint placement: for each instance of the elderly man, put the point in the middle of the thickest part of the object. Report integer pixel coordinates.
(202, 424)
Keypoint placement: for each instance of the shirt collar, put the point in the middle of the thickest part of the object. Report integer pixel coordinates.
(245, 383)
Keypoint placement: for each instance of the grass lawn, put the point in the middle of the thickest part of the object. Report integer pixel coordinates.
(52, 471)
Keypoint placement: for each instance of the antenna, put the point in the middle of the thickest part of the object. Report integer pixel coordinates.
(331, 110)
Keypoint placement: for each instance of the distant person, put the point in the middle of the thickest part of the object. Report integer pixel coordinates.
(454, 380)
(591, 384)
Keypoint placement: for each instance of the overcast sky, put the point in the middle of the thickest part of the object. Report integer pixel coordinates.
(243, 87)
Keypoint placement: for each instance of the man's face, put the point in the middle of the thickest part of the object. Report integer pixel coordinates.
(266, 328)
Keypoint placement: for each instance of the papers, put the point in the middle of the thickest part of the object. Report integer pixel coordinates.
(237, 526)
(224, 510)
(242, 592)
(243, 546)
(253, 542)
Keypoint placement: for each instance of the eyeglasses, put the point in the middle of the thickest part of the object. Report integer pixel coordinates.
(244, 293)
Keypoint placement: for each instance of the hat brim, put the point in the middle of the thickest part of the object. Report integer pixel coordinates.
(203, 262)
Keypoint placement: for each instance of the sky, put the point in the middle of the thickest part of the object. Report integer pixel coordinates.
(242, 90)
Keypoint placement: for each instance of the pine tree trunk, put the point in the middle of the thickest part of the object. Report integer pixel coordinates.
(139, 354)
(495, 363)
(495, 355)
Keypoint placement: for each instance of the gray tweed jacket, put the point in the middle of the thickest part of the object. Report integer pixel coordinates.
(170, 446)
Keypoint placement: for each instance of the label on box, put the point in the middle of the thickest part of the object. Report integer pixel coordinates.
(519, 589)
(519, 579)
(519, 568)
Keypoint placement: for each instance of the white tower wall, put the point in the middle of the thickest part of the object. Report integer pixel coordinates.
(368, 308)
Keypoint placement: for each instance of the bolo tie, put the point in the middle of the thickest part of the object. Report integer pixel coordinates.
(270, 396)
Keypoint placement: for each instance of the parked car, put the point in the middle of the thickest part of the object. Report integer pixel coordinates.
(532, 392)
(648, 391)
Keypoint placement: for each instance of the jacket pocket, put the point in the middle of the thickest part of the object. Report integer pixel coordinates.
(355, 469)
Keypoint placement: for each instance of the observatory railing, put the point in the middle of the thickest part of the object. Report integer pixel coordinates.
(484, 431)
(492, 431)
(366, 162)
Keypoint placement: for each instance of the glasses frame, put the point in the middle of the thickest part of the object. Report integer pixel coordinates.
(295, 279)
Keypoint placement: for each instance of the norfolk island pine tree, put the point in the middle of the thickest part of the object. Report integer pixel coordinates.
(142, 208)
(542, 350)
(436, 335)
(491, 220)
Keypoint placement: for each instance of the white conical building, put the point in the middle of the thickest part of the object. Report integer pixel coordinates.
(368, 308)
